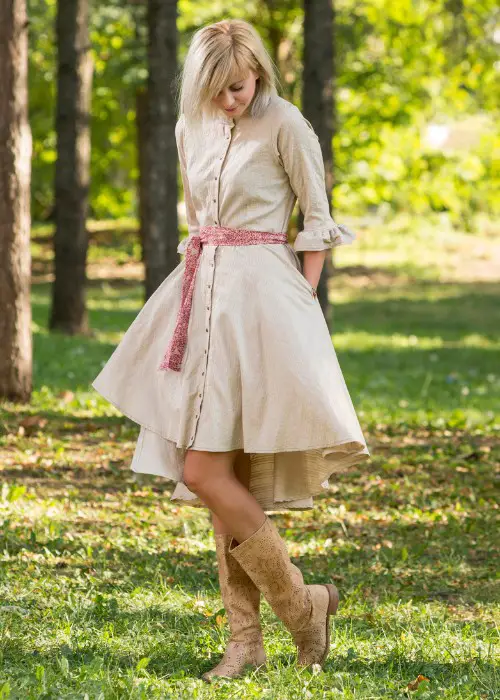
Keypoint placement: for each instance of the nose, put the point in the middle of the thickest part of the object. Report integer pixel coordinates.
(227, 100)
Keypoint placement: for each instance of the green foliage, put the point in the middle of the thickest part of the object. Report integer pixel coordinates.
(118, 51)
(397, 172)
(118, 41)
(400, 67)
(42, 94)
(403, 66)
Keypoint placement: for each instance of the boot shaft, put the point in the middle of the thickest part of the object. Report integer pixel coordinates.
(240, 595)
(264, 556)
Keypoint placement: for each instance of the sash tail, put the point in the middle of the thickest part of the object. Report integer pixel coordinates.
(175, 351)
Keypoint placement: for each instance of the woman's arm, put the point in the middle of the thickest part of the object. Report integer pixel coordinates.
(313, 265)
(300, 154)
(192, 220)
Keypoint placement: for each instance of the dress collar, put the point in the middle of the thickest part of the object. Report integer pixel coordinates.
(226, 120)
(229, 121)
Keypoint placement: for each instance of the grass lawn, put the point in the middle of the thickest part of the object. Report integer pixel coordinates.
(107, 590)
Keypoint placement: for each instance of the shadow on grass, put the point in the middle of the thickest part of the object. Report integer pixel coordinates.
(447, 311)
(173, 650)
(424, 563)
(178, 655)
(65, 423)
(397, 665)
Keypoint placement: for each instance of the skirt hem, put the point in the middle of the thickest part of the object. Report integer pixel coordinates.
(272, 450)
(196, 503)
(277, 502)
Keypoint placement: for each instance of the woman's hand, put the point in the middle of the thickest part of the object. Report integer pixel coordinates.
(313, 266)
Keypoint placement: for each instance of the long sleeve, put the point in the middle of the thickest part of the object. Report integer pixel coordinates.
(192, 221)
(299, 152)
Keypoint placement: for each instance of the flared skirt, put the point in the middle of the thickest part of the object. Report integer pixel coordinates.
(259, 373)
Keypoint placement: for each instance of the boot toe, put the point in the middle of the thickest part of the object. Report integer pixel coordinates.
(237, 659)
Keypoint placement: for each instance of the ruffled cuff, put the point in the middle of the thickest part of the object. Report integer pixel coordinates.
(322, 239)
(181, 248)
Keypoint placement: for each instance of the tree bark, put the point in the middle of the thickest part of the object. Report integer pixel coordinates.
(318, 100)
(161, 233)
(15, 220)
(142, 120)
(72, 177)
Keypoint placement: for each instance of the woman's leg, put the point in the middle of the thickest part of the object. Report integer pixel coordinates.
(262, 554)
(241, 467)
(239, 594)
(211, 476)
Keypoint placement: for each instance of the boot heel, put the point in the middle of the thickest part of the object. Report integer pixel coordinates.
(334, 598)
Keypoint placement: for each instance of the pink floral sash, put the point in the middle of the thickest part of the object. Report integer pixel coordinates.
(212, 235)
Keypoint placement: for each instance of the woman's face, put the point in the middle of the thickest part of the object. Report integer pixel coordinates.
(234, 99)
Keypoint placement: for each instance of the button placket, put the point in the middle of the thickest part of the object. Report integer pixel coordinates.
(208, 295)
(217, 177)
(203, 373)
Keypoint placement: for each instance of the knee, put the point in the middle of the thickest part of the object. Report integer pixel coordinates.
(194, 479)
(206, 472)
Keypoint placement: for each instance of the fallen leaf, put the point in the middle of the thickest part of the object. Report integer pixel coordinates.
(31, 423)
(413, 685)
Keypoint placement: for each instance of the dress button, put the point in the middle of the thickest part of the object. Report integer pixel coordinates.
(216, 177)
(208, 308)
(199, 394)
(202, 374)
(215, 200)
(205, 352)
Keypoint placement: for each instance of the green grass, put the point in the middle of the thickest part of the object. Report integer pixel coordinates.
(108, 590)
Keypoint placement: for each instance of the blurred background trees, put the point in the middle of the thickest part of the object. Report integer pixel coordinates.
(72, 167)
(409, 76)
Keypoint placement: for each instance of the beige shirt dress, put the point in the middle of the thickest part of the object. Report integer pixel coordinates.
(259, 371)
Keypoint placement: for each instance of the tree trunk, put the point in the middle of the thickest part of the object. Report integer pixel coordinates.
(72, 178)
(142, 121)
(318, 103)
(161, 237)
(15, 221)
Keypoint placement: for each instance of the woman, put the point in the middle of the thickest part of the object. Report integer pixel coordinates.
(229, 368)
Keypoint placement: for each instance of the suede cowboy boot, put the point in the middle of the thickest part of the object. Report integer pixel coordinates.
(241, 600)
(304, 609)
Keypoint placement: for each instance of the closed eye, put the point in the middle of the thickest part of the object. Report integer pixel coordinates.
(235, 89)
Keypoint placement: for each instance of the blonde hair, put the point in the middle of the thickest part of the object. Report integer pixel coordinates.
(219, 54)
